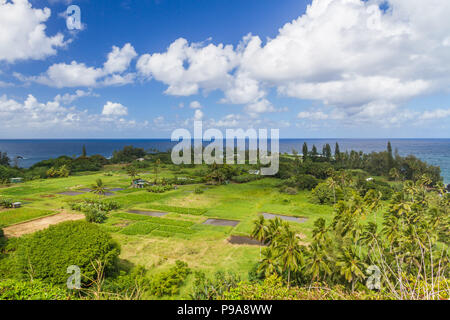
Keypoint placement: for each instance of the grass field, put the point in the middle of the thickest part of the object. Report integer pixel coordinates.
(157, 242)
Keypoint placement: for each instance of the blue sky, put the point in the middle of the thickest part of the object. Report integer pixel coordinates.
(140, 69)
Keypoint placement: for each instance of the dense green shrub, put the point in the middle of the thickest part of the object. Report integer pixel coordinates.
(102, 205)
(62, 172)
(81, 164)
(6, 173)
(213, 289)
(245, 178)
(301, 182)
(306, 182)
(364, 186)
(127, 154)
(289, 190)
(168, 283)
(31, 290)
(6, 203)
(94, 215)
(198, 190)
(324, 194)
(47, 253)
(128, 285)
(95, 210)
(320, 170)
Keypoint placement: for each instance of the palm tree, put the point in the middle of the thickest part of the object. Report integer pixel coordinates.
(273, 231)
(269, 263)
(320, 231)
(344, 178)
(394, 174)
(289, 252)
(357, 205)
(332, 184)
(132, 172)
(260, 231)
(372, 200)
(351, 265)
(441, 188)
(425, 180)
(99, 187)
(319, 262)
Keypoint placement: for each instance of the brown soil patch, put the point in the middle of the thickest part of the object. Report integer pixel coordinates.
(116, 189)
(270, 216)
(222, 223)
(148, 213)
(70, 193)
(48, 196)
(244, 241)
(40, 224)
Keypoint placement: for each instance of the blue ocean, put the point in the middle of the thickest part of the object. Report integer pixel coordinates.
(433, 151)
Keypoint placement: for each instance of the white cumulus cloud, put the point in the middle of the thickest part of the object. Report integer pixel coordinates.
(195, 105)
(187, 68)
(114, 109)
(347, 54)
(77, 74)
(23, 32)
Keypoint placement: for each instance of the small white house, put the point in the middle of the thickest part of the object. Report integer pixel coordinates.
(140, 159)
(369, 179)
(16, 205)
(254, 172)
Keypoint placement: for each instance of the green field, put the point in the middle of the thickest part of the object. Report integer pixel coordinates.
(157, 242)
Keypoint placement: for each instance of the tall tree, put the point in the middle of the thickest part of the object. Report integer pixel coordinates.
(132, 171)
(305, 151)
(260, 231)
(4, 159)
(332, 184)
(337, 152)
(390, 156)
(84, 153)
(327, 152)
(289, 252)
(269, 263)
(314, 152)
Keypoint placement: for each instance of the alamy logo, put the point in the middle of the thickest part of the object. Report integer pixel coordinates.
(213, 153)
(374, 281)
(73, 17)
(74, 281)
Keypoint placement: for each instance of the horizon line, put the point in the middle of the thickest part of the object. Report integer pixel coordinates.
(93, 139)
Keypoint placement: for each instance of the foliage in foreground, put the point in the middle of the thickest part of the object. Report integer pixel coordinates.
(410, 253)
(47, 253)
(168, 283)
(31, 290)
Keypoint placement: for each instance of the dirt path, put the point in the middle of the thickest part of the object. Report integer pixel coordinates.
(40, 224)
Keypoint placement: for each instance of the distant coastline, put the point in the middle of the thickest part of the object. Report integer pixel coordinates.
(433, 151)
